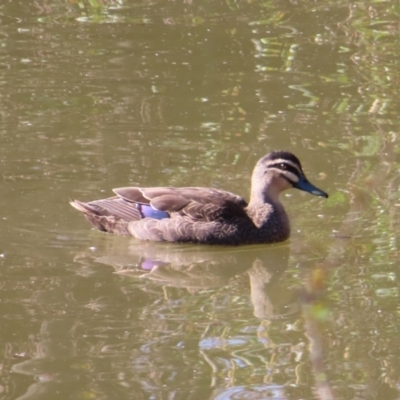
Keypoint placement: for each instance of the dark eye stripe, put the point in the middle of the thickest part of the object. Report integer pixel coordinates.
(288, 168)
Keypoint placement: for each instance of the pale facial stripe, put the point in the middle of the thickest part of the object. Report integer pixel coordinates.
(292, 172)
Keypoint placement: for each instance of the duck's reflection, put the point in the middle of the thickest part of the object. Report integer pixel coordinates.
(202, 267)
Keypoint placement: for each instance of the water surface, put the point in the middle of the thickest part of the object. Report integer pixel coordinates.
(96, 95)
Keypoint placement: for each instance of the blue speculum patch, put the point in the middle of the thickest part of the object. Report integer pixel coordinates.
(147, 211)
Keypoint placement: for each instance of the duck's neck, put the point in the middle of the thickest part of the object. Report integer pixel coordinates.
(267, 211)
(268, 194)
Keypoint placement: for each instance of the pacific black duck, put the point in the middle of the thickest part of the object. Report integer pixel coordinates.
(205, 215)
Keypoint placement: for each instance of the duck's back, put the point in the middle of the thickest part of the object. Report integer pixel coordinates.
(188, 214)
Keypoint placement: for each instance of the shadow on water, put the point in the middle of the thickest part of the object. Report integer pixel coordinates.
(202, 267)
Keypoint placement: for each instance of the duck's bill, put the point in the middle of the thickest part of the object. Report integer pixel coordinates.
(304, 184)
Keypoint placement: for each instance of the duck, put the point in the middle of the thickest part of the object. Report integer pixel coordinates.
(205, 215)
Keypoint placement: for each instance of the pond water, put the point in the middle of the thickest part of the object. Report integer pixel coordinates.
(110, 93)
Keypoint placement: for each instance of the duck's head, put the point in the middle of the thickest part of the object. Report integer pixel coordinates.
(281, 170)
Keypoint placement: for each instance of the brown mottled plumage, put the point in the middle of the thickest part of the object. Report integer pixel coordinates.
(205, 215)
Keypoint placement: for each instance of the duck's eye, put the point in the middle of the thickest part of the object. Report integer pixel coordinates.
(283, 166)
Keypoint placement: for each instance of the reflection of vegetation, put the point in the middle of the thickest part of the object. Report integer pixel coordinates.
(97, 10)
(351, 66)
(362, 256)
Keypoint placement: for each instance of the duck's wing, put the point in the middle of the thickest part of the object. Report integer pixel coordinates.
(111, 207)
(182, 210)
(195, 214)
(198, 203)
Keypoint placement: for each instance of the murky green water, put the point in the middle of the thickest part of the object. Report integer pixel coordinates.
(103, 94)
